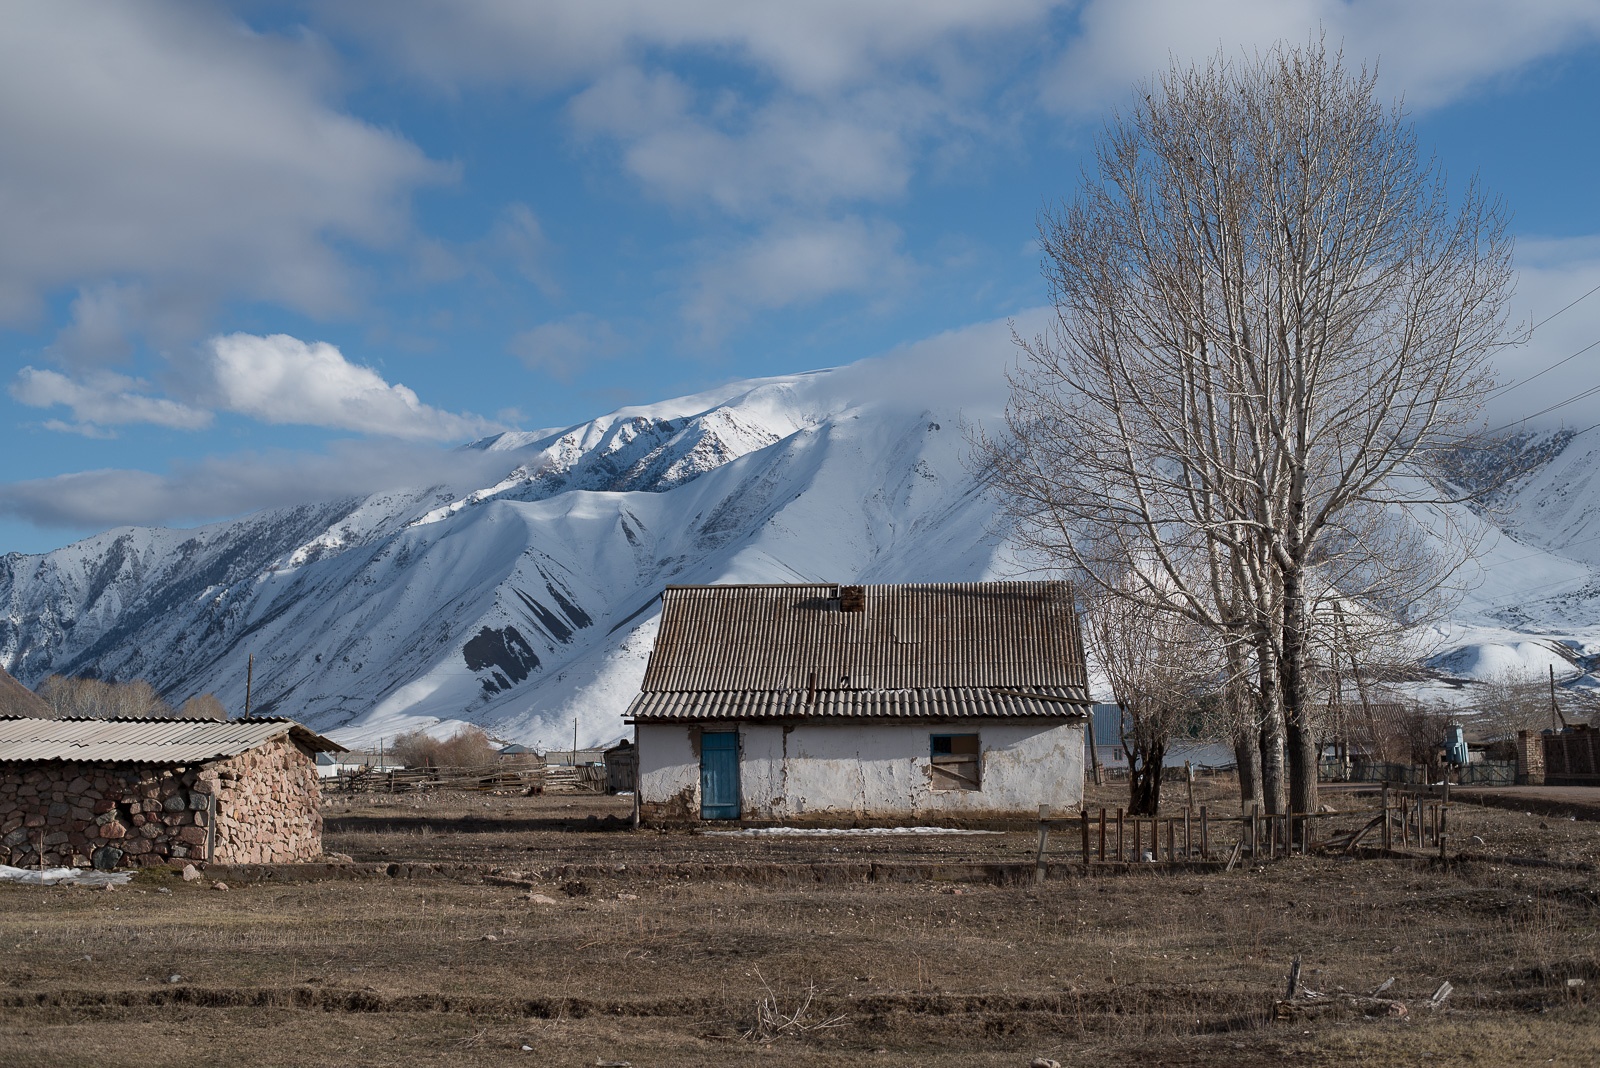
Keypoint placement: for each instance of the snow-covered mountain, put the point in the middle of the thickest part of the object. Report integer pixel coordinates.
(524, 603)
(528, 599)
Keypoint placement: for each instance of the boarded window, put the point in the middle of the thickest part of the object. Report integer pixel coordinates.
(955, 761)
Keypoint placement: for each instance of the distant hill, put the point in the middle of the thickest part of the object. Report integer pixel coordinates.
(17, 700)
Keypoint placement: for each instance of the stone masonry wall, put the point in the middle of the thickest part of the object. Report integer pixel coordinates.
(1530, 758)
(267, 804)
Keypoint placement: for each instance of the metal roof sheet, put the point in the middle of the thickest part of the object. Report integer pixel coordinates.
(146, 741)
(945, 703)
(902, 637)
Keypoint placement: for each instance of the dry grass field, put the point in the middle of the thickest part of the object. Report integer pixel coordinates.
(502, 956)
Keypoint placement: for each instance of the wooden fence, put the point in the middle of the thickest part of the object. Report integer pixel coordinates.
(1409, 817)
(532, 778)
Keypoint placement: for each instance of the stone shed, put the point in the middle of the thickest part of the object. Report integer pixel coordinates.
(822, 703)
(142, 792)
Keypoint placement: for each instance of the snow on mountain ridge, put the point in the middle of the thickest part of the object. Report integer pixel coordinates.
(518, 602)
(524, 596)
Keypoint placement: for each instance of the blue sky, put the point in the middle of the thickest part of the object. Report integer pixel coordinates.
(258, 253)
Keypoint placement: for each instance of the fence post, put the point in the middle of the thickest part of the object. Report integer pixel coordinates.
(1205, 834)
(1388, 834)
(1085, 822)
(1044, 836)
(1121, 854)
(1171, 834)
(1138, 830)
(1102, 834)
(1188, 834)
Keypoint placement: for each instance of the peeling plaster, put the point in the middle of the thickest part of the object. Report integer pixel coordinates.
(876, 770)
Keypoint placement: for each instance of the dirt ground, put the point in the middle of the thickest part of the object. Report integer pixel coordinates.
(501, 955)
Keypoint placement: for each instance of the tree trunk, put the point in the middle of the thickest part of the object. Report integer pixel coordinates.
(1247, 754)
(1300, 731)
(1144, 780)
(1270, 741)
(1269, 714)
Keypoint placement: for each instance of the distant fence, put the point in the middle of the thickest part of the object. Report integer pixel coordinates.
(1407, 818)
(1572, 757)
(1482, 773)
(531, 778)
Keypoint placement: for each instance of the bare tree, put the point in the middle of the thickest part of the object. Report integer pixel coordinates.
(1271, 322)
(1158, 666)
(96, 699)
(1513, 700)
(203, 706)
(467, 747)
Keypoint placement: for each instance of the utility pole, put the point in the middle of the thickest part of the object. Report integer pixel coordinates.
(249, 678)
(574, 741)
(1555, 709)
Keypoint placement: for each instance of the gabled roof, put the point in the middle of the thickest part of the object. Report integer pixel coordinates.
(943, 650)
(146, 741)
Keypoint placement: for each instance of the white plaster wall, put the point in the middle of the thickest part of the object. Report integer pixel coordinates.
(870, 770)
(669, 766)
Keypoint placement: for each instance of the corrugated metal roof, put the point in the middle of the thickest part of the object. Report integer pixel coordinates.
(946, 703)
(938, 636)
(146, 741)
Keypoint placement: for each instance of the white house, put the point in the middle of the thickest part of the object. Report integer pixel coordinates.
(823, 702)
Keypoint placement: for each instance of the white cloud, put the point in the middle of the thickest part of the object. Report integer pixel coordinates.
(1429, 51)
(814, 47)
(962, 369)
(222, 486)
(275, 379)
(565, 348)
(844, 98)
(517, 236)
(743, 158)
(281, 379)
(167, 144)
(101, 400)
(796, 262)
(1552, 365)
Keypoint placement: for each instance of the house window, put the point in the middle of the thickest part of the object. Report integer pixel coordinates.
(955, 761)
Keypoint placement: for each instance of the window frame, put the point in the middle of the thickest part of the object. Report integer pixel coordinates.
(957, 765)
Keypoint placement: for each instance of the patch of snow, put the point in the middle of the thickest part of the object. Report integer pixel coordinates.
(835, 832)
(62, 876)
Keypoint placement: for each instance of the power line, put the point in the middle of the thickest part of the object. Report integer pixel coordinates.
(1559, 404)
(1565, 307)
(1546, 319)
(1509, 386)
(1553, 314)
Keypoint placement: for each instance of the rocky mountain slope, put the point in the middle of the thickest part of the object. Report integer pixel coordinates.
(521, 604)
(528, 600)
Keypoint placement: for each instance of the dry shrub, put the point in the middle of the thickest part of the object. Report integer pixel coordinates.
(203, 706)
(467, 747)
(96, 699)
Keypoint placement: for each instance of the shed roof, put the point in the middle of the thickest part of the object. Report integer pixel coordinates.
(938, 650)
(146, 741)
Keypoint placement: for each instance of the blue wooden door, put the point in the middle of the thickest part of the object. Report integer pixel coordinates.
(719, 776)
